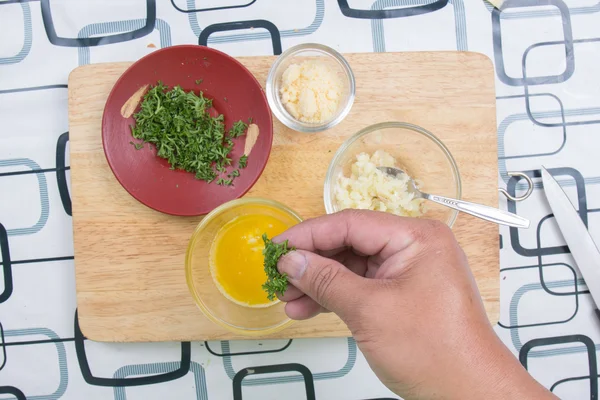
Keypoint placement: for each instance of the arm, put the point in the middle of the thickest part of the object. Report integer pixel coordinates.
(404, 288)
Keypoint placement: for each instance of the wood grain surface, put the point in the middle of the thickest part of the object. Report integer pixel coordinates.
(129, 259)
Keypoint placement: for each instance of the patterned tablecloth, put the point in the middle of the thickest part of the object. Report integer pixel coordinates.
(546, 55)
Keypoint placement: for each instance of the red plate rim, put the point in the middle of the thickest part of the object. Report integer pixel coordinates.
(124, 76)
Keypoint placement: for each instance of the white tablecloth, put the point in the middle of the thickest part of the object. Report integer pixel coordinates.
(546, 54)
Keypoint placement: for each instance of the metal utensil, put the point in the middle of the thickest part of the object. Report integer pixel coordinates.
(576, 235)
(478, 210)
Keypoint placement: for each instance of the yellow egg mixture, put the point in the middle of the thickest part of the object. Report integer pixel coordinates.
(236, 258)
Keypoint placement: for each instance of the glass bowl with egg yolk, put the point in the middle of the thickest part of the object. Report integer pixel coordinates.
(224, 265)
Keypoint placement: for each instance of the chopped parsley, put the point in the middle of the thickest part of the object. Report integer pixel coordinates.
(199, 81)
(225, 182)
(276, 282)
(137, 146)
(243, 161)
(238, 129)
(185, 134)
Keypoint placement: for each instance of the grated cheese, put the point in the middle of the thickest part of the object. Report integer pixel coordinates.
(311, 91)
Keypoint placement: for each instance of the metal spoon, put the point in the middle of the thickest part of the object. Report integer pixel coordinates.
(478, 210)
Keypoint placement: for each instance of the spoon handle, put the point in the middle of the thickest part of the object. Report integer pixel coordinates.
(479, 210)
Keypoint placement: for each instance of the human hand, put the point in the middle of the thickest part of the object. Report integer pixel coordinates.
(404, 288)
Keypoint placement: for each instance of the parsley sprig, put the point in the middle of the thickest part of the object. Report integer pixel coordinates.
(243, 161)
(185, 134)
(276, 282)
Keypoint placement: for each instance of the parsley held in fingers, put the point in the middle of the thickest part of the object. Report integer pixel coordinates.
(185, 134)
(276, 282)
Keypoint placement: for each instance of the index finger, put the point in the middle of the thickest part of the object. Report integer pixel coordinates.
(368, 232)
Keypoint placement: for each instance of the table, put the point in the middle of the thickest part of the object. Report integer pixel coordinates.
(547, 87)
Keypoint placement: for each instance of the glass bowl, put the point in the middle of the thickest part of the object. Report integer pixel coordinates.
(213, 304)
(422, 155)
(295, 55)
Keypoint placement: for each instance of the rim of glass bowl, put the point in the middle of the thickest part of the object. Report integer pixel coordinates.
(188, 266)
(329, 178)
(275, 102)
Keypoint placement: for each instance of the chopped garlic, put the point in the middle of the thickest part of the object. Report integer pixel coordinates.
(311, 91)
(368, 188)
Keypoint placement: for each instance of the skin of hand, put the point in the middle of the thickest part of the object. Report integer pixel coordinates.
(404, 288)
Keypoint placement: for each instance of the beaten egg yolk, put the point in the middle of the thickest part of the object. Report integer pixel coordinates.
(236, 258)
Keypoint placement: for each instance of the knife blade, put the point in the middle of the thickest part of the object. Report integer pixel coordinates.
(580, 242)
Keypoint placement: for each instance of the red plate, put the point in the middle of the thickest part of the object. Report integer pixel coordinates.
(235, 93)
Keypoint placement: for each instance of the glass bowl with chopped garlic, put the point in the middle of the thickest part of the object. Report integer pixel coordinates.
(310, 88)
(354, 182)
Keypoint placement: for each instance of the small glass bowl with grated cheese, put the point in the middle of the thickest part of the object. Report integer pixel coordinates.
(310, 88)
(353, 180)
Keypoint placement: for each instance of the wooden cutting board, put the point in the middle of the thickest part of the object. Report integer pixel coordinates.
(129, 259)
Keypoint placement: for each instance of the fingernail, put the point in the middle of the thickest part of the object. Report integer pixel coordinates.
(293, 264)
(277, 239)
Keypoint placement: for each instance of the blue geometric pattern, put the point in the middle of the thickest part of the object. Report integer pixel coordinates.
(27, 37)
(43, 190)
(63, 370)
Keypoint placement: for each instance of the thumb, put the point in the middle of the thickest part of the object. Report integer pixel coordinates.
(326, 281)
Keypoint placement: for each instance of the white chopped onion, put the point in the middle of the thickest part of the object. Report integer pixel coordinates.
(367, 188)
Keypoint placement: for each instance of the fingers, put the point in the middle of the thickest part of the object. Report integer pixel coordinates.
(331, 253)
(299, 306)
(303, 308)
(367, 232)
(291, 293)
(337, 251)
(352, 261)
(326, 281)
